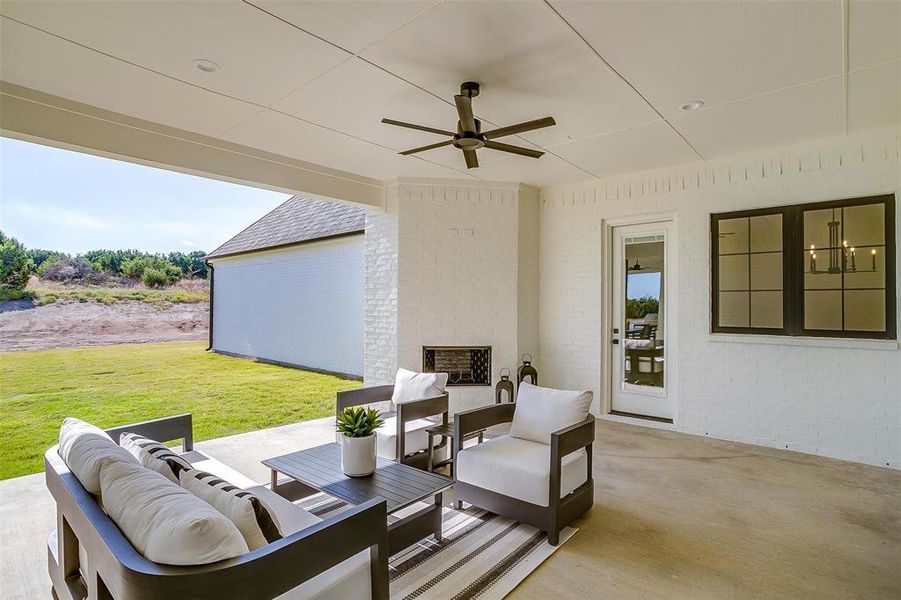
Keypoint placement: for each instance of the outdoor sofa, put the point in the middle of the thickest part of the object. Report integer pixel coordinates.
(345, 556)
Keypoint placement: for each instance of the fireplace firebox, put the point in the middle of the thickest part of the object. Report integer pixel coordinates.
(464, 365)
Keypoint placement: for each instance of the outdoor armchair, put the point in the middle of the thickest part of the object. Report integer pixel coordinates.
(546, 485)
(403, 436)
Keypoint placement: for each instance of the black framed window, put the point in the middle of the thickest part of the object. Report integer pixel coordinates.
(821, 269)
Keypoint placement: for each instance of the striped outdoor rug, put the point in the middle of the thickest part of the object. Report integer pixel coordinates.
(482, 555)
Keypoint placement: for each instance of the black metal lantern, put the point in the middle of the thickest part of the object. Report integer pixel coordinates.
(504, 385)
(527, 370)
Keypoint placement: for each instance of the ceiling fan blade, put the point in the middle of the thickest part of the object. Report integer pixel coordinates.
(419, 127)
(464, 110)
(472, 160)
(520, 128)
(429, 147)
(513, 149)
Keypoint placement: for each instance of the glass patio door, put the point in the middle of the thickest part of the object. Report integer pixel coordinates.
(638, 351)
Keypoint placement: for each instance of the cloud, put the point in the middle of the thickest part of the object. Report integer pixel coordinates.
(189, 244)
(57, 215)
(181, 228)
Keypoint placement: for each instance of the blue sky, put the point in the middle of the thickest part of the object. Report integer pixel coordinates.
(644, 284)
(62, 200)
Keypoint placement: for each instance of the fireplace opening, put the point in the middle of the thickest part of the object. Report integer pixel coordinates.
(464, 365)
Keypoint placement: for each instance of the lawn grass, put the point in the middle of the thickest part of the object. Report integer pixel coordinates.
(111, 295)
(115, 385)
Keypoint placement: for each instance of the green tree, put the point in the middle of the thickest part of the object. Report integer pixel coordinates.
(15, 264)
(40, 257)
(637, 308)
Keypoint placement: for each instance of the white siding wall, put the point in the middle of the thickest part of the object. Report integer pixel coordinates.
(301, 305)
(835, 398)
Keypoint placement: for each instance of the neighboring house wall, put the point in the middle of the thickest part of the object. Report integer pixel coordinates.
(443, 267)
(838, 398)
(301, 305)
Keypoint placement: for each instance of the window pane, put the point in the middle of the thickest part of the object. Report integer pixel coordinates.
(766, 271)
(733, 272)
(766, 309)
(865, 225)
(823, 310)
(733, 309)
(822, 281)
(865, 276)
(822, 229)
(865, 310)
(766, 233)
(733, 235)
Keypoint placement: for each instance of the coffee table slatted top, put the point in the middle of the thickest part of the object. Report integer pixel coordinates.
(320, 468)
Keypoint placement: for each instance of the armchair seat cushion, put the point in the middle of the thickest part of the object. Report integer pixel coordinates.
(416, 439)
(519, 468)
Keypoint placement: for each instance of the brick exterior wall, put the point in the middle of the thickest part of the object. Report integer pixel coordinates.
(835, 398)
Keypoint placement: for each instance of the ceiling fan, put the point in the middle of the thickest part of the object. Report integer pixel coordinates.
(469, 136)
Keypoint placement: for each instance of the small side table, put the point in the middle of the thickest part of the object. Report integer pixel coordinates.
(447, 430)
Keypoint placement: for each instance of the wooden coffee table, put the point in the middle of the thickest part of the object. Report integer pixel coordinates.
(400, 485)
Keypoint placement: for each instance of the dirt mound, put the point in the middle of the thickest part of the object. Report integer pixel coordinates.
(24, 326)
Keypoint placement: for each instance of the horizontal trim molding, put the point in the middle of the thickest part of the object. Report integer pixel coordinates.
(34, 116)
(326, 238)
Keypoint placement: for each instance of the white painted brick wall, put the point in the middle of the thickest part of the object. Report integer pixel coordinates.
(380, 296)
(828, 398)
(441, 269)
(300, 305)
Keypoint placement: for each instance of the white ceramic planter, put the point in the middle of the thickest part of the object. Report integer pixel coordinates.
(358, 455)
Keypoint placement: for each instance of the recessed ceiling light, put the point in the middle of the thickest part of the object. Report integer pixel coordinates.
(693, 105)
(207, 66)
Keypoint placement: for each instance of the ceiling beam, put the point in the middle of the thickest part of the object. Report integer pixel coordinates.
(51, 120)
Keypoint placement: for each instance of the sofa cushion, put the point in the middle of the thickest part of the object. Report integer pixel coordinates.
(410, 386)
(416, 437)
(154, 455)
(519, 468)
(204, 462)
(164, 522)
(251, 516)
(85, 449)
(541, 411)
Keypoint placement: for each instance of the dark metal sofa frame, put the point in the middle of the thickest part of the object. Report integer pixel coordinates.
(560, 512)
(406, 412)
(115, 569)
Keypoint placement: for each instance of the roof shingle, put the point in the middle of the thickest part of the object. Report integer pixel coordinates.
(294, 221)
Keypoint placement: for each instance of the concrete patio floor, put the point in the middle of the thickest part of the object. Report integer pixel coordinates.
(675, 516)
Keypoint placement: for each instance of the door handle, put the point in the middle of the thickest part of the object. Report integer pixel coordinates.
(615, 341)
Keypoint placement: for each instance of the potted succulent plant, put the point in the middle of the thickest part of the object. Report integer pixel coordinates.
(357, 426)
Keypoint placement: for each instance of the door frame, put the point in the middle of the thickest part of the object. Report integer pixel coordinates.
(671, 321)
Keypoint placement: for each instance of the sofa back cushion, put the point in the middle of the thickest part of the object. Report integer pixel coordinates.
(154, 455)
(541, 411)
(253, 518)
(85, 449)
(164, 522)
(409, 386)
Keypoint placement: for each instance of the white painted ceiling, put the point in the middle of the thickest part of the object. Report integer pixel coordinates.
(312, 80)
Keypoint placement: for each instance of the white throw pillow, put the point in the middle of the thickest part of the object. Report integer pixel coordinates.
(164, 522)
(154, 455)
(541, 411)
(85, 449)
(253, 518)
(409, 386)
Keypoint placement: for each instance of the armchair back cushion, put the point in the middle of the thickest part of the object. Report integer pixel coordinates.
(165, 522)
(86, 448)
(410, 386)
(541, 411)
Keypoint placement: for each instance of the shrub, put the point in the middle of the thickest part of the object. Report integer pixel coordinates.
(66, 269)
(154, 278)
(15, 264)
(637, 308)
(40, 258)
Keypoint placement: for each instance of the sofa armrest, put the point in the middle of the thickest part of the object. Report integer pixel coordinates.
(566, 441)
(364, 395)
(475, 419)
(257, 575)
(417, 409)
(166, 429)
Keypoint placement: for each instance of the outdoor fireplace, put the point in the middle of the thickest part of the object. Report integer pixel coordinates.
(464, 365)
